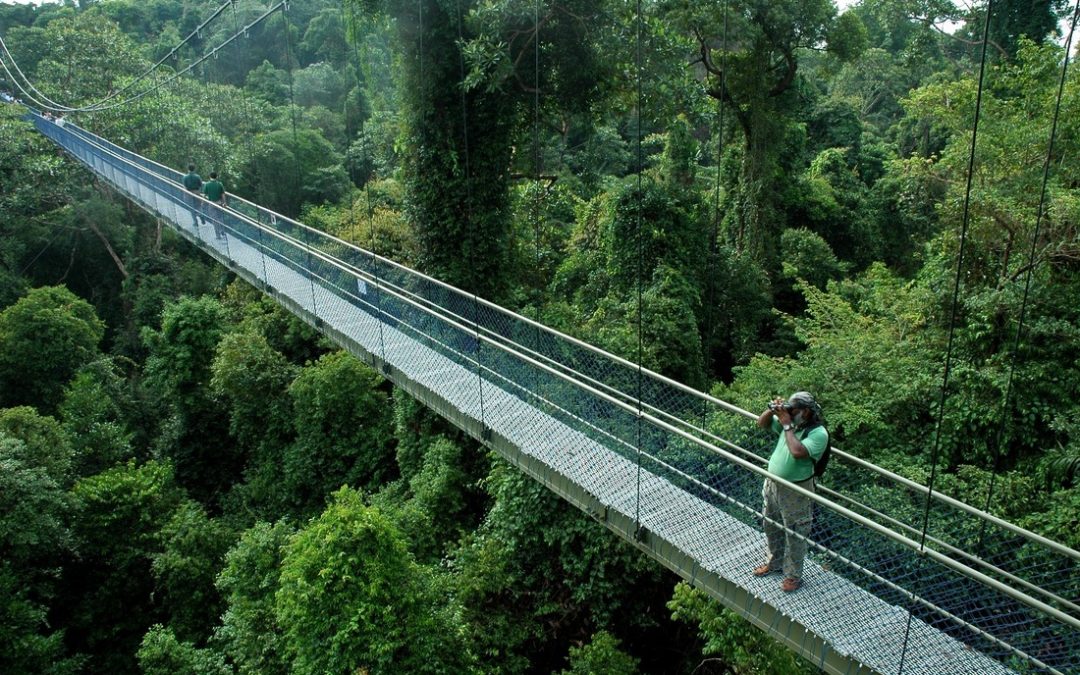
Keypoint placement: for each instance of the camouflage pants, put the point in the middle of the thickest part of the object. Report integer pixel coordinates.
(783, 505)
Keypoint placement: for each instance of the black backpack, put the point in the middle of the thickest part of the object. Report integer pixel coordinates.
(821, 464)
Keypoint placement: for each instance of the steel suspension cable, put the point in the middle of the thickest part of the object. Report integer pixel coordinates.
(354, 37)
(954, 310)
(712, 251)
(640, 265)
(1030, 270)
(536, 166)
(45, 104)
(469, 198)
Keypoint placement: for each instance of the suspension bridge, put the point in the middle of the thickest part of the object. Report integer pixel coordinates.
(673, 471)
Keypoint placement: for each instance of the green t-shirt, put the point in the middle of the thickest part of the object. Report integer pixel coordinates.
(213, 190)
(783, 464)
(193, 181)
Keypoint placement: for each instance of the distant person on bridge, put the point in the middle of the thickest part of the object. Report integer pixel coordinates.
(193, 184)
(215, 192)
(802, 442)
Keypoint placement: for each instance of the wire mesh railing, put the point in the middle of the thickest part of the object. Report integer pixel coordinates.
(995, 587)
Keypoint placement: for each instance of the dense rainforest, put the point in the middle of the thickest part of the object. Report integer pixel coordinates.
(750, 196)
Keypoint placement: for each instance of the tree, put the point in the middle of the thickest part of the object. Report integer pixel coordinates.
(352, 599)
(739, 645)
(538, 574)
(37, 186)
(249, 633)
(470, 58)
(253, 380)
(195, 433)
(69, 69)
(44, 338)
(754, 74)
(119, 516)
(35, 536)
(601, 655)
(161, 653)
(289, 169)
(193, 547)
(95, 413)
(1013, 20)
(343, 432)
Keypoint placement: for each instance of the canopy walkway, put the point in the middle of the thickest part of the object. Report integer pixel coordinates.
(673, 471)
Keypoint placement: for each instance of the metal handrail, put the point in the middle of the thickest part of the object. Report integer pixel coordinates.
(658, 423)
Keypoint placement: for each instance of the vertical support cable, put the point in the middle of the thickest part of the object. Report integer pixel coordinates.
(296, 144)
(250, 147)
(468, 205)
(380, 318)
(952, 315)
(536, 186)
(640, 264)
(378, 285)
(1027, 277)
(710, 318)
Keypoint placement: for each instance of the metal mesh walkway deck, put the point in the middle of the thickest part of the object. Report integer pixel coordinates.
(634, 462)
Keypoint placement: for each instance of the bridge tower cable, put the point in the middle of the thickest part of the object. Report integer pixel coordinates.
(711, 250)
(936, 448)
(1028, 273)
(287, 29)
(46, 103)
(469, 205)
(254, 179)
(640, 263)
(353, 35)
(541, 279)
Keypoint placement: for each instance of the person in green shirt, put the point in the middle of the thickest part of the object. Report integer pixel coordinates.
(802, 440)
(215, 192)
(193, 184)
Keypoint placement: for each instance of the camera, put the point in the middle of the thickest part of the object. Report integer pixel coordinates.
(777, 406)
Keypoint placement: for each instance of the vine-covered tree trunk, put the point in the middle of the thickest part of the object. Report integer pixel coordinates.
(458, 169)
(758, 220)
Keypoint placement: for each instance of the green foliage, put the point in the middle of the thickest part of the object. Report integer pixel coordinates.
(740, 645)
(352, 599)
(35, 514)
(807, 256)
(283, 331)
(161, 653)
(94, 414)
(179, 371)
(268, 83)
(37, 186)
(249, 633)
(192, 549)
(26, 644)
(70, 68)
(343, 430)
(287, 169)
(441, 498)
(601, 655)
(45, 442)
(252, 379)
(44, 338)
(859, 336)
(667, 317)
(538, 573)
(120, 513)
(649, 229)
(182, 352)
(1058, 520)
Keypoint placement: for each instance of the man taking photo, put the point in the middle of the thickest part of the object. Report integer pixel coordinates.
(801, 443)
